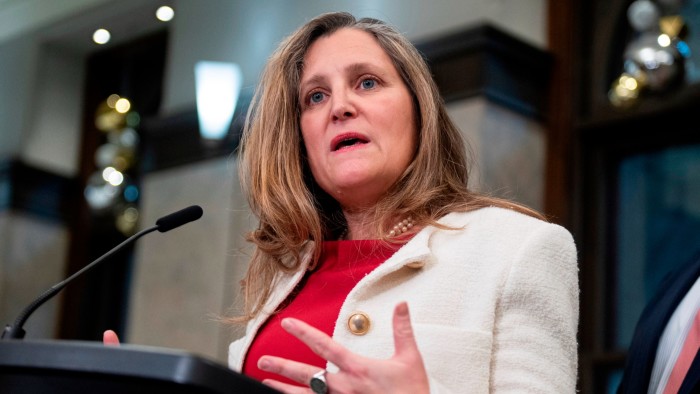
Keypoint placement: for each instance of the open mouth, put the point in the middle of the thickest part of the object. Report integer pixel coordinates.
(347, 141)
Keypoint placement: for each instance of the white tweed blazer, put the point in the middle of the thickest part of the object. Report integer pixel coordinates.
(494, 305)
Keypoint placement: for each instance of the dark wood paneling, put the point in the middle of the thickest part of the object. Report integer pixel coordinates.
(31, 190)
(98, 300)
(486, 61)
(175, 140)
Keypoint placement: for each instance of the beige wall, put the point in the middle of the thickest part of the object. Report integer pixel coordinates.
(508, 150)
(32, 255)
(187, 278)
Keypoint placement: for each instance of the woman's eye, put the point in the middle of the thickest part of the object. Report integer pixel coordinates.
(368, 83)
(316, 97)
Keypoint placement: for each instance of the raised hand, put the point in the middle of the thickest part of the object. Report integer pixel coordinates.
(403, 372)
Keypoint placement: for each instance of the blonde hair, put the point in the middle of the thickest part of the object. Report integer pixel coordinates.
(291, 208)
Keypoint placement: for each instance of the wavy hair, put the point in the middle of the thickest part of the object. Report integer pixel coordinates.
(292, 209)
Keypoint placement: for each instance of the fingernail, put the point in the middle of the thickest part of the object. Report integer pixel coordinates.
(402, 309)
(287, 324)
(263, 363)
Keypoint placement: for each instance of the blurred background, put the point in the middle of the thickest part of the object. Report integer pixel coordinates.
(108, 121)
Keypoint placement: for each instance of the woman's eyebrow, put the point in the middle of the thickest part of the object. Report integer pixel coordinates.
(358, 68)
(352, 69)
(313, 81)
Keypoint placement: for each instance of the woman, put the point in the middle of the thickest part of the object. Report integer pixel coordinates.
(358, 178)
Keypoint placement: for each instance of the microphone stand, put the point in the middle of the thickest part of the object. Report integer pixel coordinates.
(16, 331)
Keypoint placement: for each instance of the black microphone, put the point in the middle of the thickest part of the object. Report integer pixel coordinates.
(177, 219)
(166, 223)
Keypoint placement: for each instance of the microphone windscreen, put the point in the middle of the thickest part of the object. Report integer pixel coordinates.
(177, 219)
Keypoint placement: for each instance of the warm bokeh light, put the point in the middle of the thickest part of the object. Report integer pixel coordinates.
(107, 119)
(127, 220)
(112, 100)
(110, 186)
(121, 162)
(664, 40)
(165, 13)
(628, 82)
(624, 92)
(111, 175)
(674, 26)
(122, 105)
(101, 36)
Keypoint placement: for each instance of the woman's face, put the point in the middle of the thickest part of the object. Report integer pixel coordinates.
(357, 118)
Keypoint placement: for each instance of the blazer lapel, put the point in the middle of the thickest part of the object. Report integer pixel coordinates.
(642, 351)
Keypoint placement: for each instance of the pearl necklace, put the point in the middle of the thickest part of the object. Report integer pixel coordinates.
(400, 228)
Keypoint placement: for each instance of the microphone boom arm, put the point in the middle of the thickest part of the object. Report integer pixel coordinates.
(16, 331)
(164, 224)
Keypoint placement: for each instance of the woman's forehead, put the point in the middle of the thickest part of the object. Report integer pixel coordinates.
(349, 50)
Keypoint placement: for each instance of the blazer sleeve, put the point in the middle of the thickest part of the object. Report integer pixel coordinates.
(535, 347)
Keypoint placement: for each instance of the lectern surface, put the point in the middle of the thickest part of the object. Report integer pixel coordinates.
(60, 367)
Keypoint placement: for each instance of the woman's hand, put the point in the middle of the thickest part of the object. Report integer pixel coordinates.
(403, 372)
(110, 338)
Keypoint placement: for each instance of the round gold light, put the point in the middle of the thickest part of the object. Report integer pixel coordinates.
(122, 105)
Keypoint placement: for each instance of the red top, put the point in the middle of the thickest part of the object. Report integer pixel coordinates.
(316, 300)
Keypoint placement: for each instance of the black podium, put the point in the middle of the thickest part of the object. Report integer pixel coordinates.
(59, 367)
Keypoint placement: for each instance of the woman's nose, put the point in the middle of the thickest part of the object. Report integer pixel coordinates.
(343, 107)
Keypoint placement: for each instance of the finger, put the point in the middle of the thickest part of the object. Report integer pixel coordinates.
(294, 370)
(110, 338)
(318, 342)
(404, 340)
